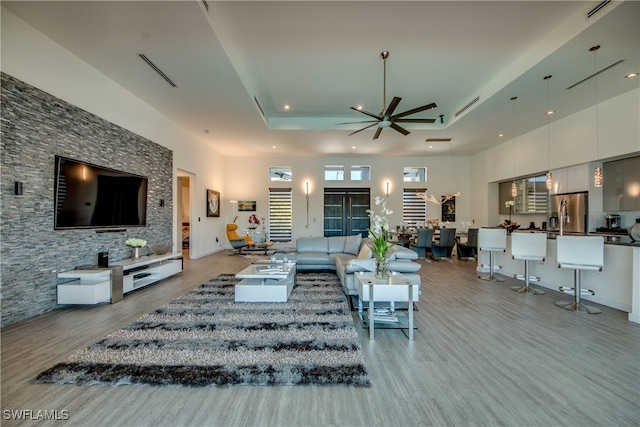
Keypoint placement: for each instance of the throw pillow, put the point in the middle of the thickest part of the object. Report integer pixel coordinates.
(352, 244)
(362, 265)
(365, 252)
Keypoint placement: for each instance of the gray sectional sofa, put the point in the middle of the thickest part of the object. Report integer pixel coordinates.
(347, 255)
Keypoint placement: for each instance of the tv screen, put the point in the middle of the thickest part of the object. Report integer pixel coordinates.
(91, 196)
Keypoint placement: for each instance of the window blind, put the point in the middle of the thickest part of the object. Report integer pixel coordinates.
(280, 214)
(414, 207)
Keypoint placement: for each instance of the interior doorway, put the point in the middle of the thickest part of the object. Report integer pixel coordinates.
(183, 204)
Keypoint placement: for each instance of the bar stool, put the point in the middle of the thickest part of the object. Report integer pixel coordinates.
(492, 240)
(579, 253)
(528, 247)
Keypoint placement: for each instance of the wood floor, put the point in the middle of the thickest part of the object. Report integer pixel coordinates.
(483, 355)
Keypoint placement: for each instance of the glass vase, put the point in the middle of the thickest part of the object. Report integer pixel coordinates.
(382, 268)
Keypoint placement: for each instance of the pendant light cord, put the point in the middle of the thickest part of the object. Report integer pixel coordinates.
(547, 78)
(594, 49)
(513, 134)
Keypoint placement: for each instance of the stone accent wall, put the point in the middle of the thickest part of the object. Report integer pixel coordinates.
(35, 126)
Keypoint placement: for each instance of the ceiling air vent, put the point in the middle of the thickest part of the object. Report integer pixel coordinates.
(598, 8)
(466, 107)
(259, 106)
(156, 69)
(205, 4)
(596, 73)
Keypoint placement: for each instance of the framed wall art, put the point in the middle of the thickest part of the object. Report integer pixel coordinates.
(213, 203)
(449, 209)
(246, 206)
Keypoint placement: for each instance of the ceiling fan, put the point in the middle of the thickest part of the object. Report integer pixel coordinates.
(386, 118)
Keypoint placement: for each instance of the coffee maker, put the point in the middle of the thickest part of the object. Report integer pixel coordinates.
(613, 221)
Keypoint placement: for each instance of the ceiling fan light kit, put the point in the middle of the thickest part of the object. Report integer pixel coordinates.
(386, 118)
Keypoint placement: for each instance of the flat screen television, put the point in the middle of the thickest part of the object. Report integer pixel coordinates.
(91, 196)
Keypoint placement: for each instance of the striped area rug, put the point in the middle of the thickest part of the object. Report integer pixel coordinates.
(204, 338)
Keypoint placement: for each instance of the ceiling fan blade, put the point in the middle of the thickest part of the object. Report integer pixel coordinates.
(367, 113)
(415, 110)
(355, 123)
(399, 129)
(415, 121)
(392, 106)
(360, 130)
(377, 134)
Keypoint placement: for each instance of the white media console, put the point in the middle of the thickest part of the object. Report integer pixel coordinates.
(93, 286)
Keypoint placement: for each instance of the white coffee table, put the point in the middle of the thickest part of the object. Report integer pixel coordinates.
(396, 288)
(262, 282)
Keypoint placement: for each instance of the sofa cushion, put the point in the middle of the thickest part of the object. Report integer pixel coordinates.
(404, 266)
(400, 252)
(352, 244)
(356, 264)
(365, 252)
(335, 244)
(312, 244)
(315, 258)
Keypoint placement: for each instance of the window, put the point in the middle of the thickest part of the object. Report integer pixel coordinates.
(360, 173)
(414, 206)
(280, 173)
(280, 214)
(413, 174)
(333, 173)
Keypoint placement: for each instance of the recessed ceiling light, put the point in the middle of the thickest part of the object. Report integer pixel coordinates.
(550, 112)
(431, 146)
(353, 147)
(273, 147)
(500, 135)
(631, 75)
(359, 107)
(286, 106)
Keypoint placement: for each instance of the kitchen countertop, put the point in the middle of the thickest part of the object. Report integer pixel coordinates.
(617, 239)
(609, 239)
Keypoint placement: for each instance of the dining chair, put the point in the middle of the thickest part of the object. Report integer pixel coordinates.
(442, 250)
(422, 244)
(469, 249)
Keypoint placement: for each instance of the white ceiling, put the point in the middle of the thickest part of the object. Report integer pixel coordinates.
(323, 57)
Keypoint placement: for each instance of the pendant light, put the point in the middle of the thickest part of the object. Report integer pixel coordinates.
(549, 177)
(598, 178)
(514, 186)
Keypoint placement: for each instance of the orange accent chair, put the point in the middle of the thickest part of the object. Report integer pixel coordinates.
(238, 243)
(242, 243)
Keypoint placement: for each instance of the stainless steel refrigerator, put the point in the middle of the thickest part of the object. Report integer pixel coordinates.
(577, 212)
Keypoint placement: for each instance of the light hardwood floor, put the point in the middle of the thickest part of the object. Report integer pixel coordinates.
(483, 355)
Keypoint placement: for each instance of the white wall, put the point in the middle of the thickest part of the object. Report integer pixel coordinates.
(30, 56)
(445, 175)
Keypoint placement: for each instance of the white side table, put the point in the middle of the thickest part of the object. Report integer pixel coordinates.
(396, 288)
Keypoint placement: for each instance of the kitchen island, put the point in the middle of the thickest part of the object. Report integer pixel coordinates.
(616, 286)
